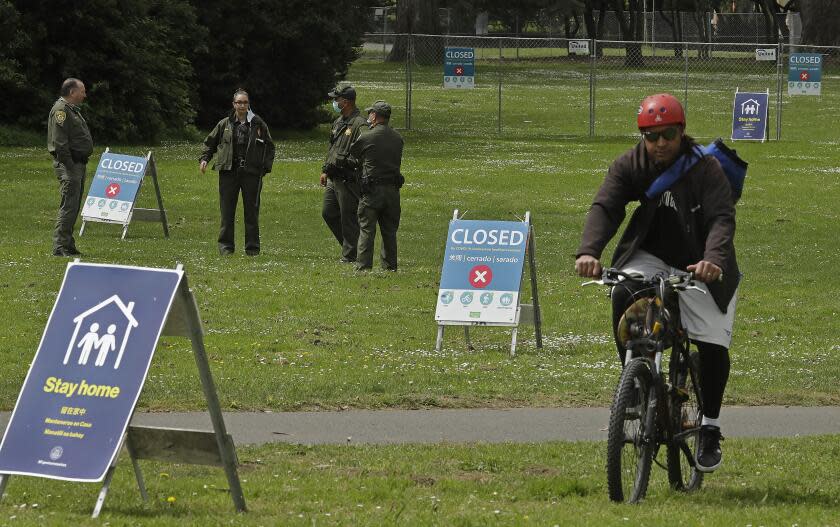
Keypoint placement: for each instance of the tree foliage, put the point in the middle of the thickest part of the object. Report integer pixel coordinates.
(820, 22)
(127, 53)
(154, 66)
(287, 53)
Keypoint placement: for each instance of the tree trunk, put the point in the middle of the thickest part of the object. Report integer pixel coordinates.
(629, 29)
(418, 16)
(820, 21)
(675, 22)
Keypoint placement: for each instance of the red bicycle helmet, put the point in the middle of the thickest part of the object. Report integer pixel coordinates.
(660, 109)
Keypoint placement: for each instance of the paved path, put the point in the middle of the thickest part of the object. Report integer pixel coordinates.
(517, 425)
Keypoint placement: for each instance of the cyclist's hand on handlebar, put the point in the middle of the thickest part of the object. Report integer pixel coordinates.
(705, 271)
(588, 266)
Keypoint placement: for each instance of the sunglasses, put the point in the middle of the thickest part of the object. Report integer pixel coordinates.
(669, 134)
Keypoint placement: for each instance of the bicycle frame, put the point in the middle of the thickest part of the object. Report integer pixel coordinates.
(649, 327)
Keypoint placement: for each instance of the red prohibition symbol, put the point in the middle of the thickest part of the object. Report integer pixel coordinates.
(481, 276)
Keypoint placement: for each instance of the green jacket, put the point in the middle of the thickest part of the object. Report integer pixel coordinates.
(378, 152)
(68, 137)
(344, 131)
(259, 154)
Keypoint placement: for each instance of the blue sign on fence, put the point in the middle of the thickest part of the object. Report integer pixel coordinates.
(86, 377)
(482, 271)
(459, 68)
(114, 188)
(749, 116)
(804, 74)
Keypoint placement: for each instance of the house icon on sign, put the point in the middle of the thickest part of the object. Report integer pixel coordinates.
(750, 107)
(107, 342)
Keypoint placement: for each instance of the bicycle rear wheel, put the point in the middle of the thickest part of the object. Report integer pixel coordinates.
(629, 454)
(686, 412)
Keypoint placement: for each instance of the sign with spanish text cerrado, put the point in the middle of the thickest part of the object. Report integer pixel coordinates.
(804, 74)
(459, 68)
(114, 188)
(482, 271)
(87, 374)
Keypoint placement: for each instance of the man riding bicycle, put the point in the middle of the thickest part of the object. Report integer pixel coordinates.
(685, 221)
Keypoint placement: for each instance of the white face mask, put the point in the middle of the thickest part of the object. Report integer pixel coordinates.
(336, 107)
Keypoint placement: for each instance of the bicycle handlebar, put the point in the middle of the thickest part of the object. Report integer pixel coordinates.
(681, 281)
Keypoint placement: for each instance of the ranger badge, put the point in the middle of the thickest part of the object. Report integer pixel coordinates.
(60, 116)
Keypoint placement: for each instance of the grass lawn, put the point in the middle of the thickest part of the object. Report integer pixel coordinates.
(763, 482)
(295, 329)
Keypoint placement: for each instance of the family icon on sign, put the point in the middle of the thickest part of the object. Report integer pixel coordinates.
(105, 343)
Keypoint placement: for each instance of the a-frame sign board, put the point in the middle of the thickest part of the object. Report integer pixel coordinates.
(482, 276)
(72, 416)
(115, 188)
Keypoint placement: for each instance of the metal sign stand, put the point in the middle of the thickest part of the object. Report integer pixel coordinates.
(525, 313)
(176, 445)
(138, 214)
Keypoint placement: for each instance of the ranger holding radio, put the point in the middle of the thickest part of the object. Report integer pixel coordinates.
(341, 181)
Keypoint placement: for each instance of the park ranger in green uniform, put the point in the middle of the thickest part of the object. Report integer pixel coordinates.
(341, 196)
(70, 144)
(378, 152)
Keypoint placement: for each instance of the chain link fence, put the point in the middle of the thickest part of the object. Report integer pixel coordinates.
(652, 26)
(537, 87)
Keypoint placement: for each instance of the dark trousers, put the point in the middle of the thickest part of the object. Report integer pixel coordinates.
(71, 184)
(380, 205)
(231, 183)
(339, 210)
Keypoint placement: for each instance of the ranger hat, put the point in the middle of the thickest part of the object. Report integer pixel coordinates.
(344, 91)
(381, 108)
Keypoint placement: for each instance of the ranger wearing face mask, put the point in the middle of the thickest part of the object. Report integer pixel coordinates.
(341, 181)
(378, 152)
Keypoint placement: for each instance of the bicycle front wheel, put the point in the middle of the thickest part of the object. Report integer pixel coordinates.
(686, 412)
(629, 444)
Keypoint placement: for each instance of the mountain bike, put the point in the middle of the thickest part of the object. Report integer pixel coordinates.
(652, 408)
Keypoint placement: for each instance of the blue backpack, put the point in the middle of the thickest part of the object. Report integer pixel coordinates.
(733, 166)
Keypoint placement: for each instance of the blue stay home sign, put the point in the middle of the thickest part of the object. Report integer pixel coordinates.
(87, 374)
(749, 116)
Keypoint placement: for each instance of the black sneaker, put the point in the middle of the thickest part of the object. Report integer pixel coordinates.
(225, 251)
(708, 451)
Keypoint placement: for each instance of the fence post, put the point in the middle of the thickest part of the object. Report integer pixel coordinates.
(779, 73)
(409, 58)
(499, 130)
(653, 31)
(685, 75)
(592, 57)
